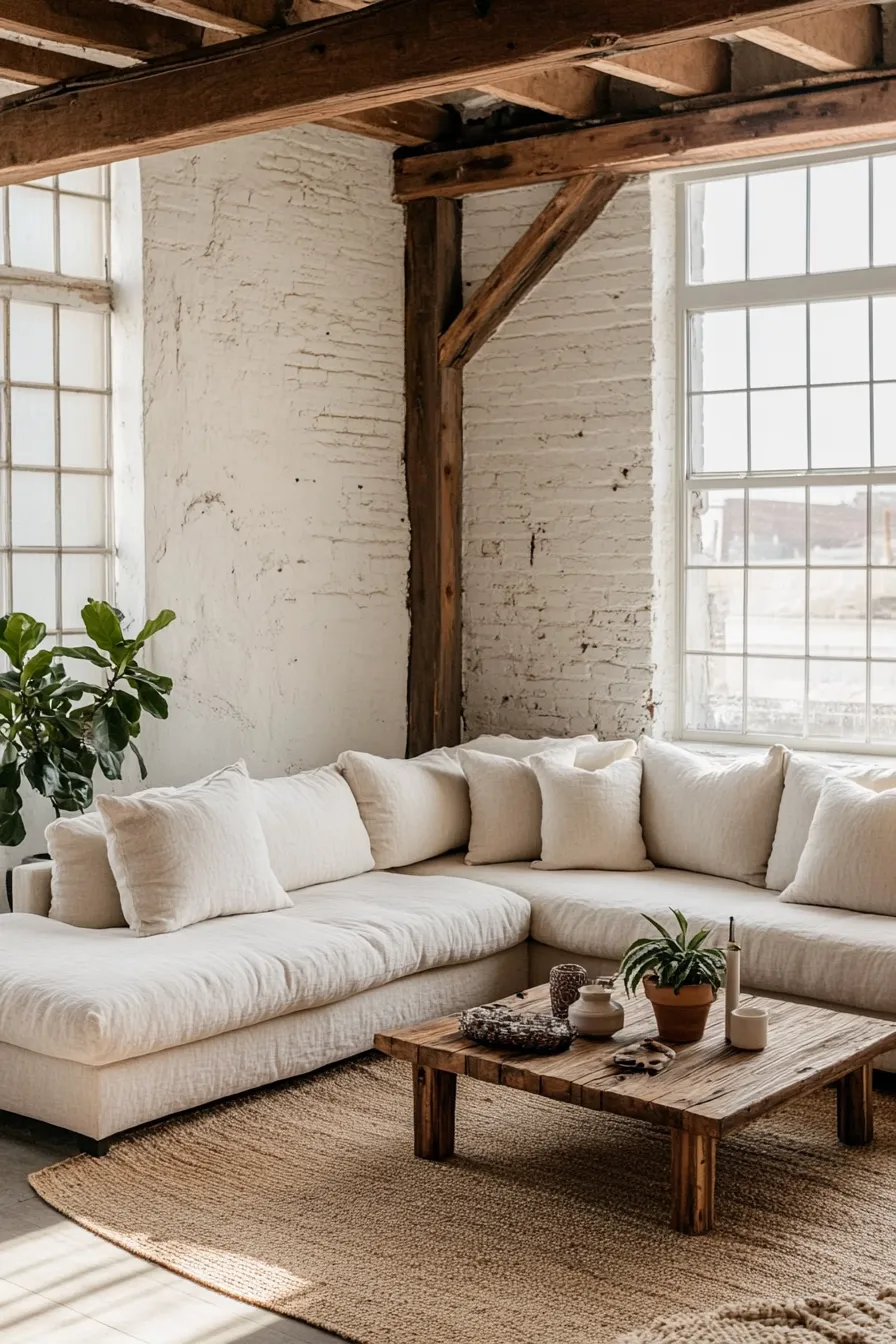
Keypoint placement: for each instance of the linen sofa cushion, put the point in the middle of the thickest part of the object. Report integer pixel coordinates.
(505, 804)
(84, 890)
(850, 856)
(804, 780)
(100, 996)
(710, 816)
(191, 855)
(798, 951)
(312, 827)
(591, 818)
(518, 748)
(411, 809)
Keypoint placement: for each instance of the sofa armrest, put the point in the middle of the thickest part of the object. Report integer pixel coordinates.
(31, 888)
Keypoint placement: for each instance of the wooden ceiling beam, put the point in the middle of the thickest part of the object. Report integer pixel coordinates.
(847, 39)
(548, 238)
(241, 18)
(98, 25)
(39, 65)
(796, 120)
(412, 123)
(569, 91)
(681, 68)
(389, 52)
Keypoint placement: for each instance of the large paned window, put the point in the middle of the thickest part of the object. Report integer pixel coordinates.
(787, 293)
(56, 543)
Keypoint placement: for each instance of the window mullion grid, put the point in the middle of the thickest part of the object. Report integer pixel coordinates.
(747, 505)
(869, 575)
(7, 434)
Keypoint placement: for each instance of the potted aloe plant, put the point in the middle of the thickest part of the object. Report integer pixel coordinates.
(681, 977)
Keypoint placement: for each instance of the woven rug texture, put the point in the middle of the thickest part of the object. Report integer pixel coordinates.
(550, 1226)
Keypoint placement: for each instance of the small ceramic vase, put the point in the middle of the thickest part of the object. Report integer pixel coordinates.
(565, 983)
(596, 1012)
(749, 1027)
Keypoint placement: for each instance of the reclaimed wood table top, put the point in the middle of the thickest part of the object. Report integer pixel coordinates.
(711, 1089)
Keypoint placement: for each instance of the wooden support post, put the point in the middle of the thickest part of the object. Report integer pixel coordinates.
(548, 238)
(434, 463)
(855, 1107)
(434, 1101)
(693, 1181)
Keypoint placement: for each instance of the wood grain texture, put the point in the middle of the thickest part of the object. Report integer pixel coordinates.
(568, 91)
(549, 237)
(845, 39)
(412, 123)
(98, 25)
(241, 18)
(434, 465)
(799, 119)
(434, 1107)
(681, 68)
(855, 1107)
(387, 52)
(693, 1182)
(39, 65)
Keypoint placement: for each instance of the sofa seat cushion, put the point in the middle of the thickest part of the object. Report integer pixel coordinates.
(100, 995)
(834, 956)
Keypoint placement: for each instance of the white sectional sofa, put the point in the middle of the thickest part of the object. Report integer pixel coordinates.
(101, 1030)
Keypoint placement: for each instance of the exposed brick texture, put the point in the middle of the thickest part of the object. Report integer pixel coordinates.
(558, 576)
(275, 502)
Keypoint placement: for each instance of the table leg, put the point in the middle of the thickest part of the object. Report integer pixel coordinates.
(434, 1098)
(693, 1181)
(855, 1107)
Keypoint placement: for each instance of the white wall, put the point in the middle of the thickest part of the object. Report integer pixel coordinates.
(562, 617)
(276, 523)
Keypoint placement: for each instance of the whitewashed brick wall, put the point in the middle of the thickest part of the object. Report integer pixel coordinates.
(559, 586)
(275, 503)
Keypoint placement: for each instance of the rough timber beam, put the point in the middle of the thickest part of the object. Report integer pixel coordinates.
(847, 39)
(241, 18)
(434, 463)
(800, 119)
(99, 25)
(389, 52)
(681, 68)
(39, 65)
(568, 91)
(548, 238)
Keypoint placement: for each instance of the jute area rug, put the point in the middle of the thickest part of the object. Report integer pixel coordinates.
(548, 1227)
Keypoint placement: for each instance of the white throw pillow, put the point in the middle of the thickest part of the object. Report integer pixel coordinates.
(83, 888)
(518, 748)
(591, 818)
(412, 809)
(710, 816)
(505, 804)
(190, 855)
(850, 856)
(605, 753)
(804, 780)
(313, 828)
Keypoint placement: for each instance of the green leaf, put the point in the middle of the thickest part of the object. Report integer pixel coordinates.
(82, 651)
(129, 706)
(9, 801)
(110, 763)
(103, 625)
(140, 761)
(134, 675)
(12, 829)
(36, 666)
(153, 626)
(22, 634)
(152, 701)
(110, 729)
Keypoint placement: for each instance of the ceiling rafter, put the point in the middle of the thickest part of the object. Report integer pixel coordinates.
(98, 25)
(845, 39)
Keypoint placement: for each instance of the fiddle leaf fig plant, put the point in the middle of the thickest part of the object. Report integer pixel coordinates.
(56, 729)
(675, 960)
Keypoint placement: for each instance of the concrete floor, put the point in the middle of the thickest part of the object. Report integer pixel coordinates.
(59, 1283)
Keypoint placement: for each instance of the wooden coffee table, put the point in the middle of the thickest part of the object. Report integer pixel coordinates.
(710, 1091)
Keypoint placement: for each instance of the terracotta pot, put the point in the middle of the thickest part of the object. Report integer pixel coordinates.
(679, 1016)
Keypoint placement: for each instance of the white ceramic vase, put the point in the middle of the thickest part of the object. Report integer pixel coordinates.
(595, 1012)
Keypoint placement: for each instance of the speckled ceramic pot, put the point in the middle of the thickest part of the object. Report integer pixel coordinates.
(595, 1012)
